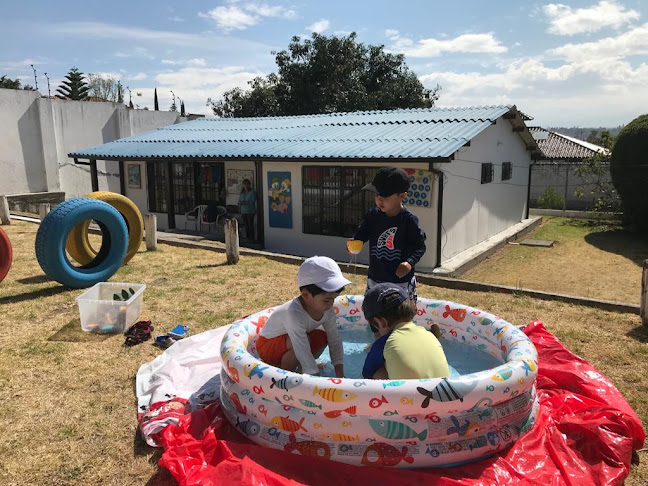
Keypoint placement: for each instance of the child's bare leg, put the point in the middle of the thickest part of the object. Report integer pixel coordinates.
(381, 374)
(289, 359)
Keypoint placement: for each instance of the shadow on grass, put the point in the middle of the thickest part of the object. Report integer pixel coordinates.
(639, 333)
(621, 242)
(72, 333)
(162, 476)
(12, 299)
(36, 279)
(214, 265)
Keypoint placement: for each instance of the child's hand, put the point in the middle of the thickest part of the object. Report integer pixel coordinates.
(403, 269)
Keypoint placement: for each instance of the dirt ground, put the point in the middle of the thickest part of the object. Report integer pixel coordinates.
(589, 259)
(68, 399)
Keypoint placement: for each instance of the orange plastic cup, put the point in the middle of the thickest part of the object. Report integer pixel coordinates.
(354, 246)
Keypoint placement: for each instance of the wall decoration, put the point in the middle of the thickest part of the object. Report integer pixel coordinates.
(134, 176)
(235, 179)
(420, 193)
(280, 199)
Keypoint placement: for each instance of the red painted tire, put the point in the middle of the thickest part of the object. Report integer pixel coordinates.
(6, 254)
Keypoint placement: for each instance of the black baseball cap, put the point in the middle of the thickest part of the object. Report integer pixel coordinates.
(388, 181)
(382, 297)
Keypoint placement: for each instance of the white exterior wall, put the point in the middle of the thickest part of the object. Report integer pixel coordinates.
(37, 134)
(473, 212)
(294, 242)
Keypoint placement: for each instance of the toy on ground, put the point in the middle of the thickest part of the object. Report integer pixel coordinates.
(401, 423)
(57, 225)
(6, 254)
(110, 307)
(78, 244)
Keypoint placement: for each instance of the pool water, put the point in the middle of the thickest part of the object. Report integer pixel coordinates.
(462, 359)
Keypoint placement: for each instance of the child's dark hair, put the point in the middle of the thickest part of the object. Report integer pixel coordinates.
(404, 312)
(315, 290)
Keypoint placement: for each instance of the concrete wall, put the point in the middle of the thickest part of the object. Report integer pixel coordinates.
(555, 174)
(473, 212)
(38, 133)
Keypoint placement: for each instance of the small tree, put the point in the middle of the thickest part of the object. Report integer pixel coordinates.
(74, 87)
(8, 83)
(102, 88)
(120, 92)
(550, 199)
(182, 109)
(629, 168)
(155, 101)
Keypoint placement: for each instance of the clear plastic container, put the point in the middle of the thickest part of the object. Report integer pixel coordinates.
(100, 312)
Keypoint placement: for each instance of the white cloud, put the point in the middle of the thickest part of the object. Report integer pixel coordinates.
(470, 43)
(137, 52)
(169, 62)
(565, 20)
(632, 42)
(229, 18)
(319, 26)
(265, 10)
(139, 77)
(199, 62)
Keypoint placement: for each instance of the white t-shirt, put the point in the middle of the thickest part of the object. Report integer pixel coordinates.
(291, 318)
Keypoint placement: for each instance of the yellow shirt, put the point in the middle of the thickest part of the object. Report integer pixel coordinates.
(414, 352)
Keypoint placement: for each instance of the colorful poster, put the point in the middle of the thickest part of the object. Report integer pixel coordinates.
(420, 193)
(280, 199)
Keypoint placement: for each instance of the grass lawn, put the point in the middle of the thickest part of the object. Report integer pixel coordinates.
(595, 259)
(68, 399)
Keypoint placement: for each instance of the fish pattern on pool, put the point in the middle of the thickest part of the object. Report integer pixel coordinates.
(484, 406)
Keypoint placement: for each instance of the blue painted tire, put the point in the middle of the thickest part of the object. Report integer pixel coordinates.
(57, 225)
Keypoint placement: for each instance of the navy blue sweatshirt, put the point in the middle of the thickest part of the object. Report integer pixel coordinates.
(392, 240)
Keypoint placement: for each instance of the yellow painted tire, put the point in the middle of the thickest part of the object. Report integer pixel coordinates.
(78, 244)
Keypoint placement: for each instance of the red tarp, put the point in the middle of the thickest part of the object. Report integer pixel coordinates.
(585, 434)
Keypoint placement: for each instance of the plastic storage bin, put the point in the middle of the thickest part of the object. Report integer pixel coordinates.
(101, 313)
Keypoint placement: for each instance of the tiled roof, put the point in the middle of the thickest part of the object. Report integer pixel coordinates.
(413, 133)
(555, 146)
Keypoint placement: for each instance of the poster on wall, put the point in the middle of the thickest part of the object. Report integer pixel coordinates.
(235, 179)
(134, 176)
(279, 200)
(420, 193)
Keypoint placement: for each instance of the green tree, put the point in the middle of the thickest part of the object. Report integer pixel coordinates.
(8, 83)
(325, 75)
(102, 88)
(629, 167)
(74, 87)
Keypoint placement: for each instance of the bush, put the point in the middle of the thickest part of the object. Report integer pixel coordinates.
(629, 168)
(551, 199)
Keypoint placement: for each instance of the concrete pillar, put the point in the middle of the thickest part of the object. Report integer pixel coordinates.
(4, 211)
(43, 210)
(231, 241)
(150, 231)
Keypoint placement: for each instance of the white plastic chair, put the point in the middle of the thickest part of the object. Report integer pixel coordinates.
(195, 216)
(219, 220)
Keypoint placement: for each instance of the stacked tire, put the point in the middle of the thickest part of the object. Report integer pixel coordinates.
(6, 254)
(55, 230)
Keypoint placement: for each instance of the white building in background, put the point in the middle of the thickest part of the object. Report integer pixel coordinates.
(469, 168)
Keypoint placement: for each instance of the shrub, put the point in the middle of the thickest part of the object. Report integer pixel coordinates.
(551, 199)
(629, 168)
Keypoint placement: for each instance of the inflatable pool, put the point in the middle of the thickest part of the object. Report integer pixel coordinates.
(400, 423)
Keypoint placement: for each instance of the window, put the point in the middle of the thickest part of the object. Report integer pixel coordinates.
(487, 173)
(184, 187)
(507, 171)
(333, 200)
(157, 186)
(212, 183)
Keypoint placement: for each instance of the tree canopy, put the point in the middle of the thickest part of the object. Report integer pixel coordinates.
(8, 83)
(103, 88)
(74, 87)
(629, 168)
(326, 75)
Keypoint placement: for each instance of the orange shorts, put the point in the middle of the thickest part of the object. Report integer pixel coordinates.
(272, 350)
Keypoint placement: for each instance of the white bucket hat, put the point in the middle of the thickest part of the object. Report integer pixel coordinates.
(323, 272)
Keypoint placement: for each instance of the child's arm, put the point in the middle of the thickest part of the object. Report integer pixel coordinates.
(301, 347)
(336, 349)
(375, 359)
(363, 231)
(415, 247)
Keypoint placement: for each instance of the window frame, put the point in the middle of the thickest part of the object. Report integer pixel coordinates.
(487, 172)
(507, 171)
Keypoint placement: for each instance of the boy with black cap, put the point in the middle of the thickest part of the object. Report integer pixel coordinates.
(396, 242)
(404, 350)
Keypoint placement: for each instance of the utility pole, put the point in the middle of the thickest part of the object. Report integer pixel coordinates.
(49, 95)
(35, 79)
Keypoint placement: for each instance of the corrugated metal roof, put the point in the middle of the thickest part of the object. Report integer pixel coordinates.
(555, 146)
(414, 133)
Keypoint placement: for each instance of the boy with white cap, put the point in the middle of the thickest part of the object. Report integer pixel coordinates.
(290, 336)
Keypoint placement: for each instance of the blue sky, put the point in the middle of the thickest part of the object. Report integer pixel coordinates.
(577, 63)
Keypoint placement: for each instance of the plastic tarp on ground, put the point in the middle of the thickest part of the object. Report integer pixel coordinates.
(585, 434)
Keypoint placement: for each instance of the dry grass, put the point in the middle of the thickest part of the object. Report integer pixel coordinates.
(68, 400)
(590, 259)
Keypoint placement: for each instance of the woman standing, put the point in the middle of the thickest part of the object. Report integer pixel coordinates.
(248, 205)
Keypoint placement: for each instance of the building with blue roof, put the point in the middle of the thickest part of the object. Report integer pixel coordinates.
(469, 169)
